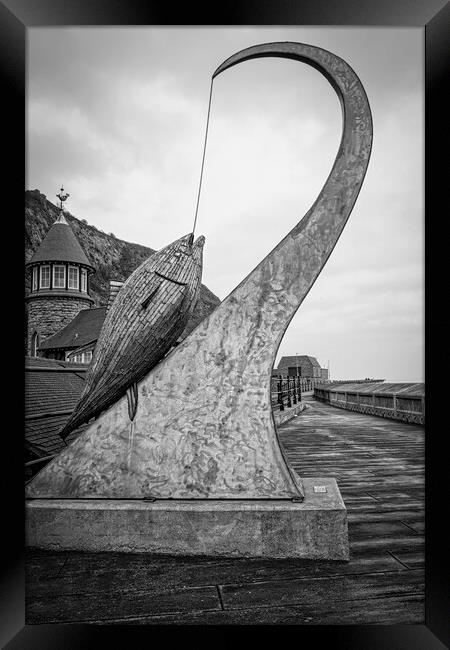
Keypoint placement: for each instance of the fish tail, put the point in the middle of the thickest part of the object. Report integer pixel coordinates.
(72, 423)
(67, 428)
(132, 398)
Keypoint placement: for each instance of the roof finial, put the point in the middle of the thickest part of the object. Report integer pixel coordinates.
(62, 197)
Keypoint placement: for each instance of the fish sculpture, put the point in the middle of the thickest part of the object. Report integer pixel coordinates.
(143, 323)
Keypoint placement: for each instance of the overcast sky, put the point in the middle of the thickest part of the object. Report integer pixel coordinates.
(118, 116)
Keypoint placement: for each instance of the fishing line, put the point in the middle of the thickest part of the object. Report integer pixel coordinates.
(203, 158)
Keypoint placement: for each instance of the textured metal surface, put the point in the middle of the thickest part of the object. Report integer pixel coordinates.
(204, 426)
(149, 313)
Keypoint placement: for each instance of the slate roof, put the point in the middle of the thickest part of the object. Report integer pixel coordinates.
(52, 389)
(292, 361)
(83, 329)
(42, 437)
(60, 245)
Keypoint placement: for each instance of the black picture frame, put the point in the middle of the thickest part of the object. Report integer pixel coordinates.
(15, 17)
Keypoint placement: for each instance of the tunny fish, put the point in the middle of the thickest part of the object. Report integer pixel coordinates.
(143, 323)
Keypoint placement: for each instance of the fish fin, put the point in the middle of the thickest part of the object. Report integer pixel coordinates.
(132, 398)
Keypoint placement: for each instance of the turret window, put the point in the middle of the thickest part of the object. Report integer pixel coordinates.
(45, 277)
(84, 280)
(59, 276)
(81, 357)
(73, 277)
(35, 278)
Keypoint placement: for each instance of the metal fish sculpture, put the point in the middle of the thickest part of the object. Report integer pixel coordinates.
(146, 318)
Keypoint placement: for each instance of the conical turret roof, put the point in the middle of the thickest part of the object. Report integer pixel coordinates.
(60, 245)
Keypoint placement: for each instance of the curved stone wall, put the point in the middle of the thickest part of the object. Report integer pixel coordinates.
(48, 315)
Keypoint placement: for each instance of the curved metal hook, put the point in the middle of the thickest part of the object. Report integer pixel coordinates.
(356, 141)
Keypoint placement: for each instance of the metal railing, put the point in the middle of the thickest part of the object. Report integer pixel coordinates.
(287, 391)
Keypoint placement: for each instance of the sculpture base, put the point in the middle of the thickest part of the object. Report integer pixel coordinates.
(315, 528)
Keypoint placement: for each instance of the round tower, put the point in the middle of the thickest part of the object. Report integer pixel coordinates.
(60, 274)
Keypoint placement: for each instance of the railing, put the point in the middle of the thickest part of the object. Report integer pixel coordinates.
(409, 408)
(287, 391)
(348, 381)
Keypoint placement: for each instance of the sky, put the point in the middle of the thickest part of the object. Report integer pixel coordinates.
(118, 116)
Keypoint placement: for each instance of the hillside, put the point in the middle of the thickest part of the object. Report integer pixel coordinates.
(113, 258)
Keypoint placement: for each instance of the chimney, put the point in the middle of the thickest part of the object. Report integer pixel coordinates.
(114, 287)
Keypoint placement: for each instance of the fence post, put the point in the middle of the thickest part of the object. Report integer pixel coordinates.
(280, 393)
(289, 403)
(294, 392)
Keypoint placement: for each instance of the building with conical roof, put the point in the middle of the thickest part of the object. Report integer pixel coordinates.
(60, 273)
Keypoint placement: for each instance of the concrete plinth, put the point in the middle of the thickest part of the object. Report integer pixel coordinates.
(315, 528)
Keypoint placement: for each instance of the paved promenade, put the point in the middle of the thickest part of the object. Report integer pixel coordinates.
(379, 466)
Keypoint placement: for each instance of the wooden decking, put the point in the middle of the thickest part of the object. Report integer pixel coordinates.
(379, 466)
